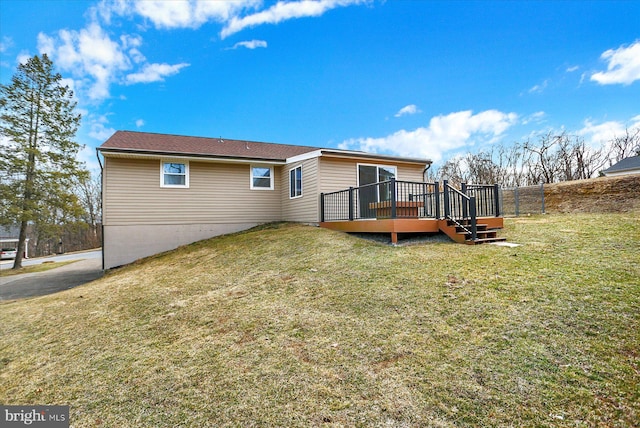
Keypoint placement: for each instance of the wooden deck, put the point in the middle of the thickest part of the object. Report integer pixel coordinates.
(402, 225)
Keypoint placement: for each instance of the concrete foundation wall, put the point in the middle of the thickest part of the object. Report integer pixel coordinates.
(127, 244)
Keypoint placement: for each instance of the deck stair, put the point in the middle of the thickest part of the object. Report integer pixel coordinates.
(460, 231)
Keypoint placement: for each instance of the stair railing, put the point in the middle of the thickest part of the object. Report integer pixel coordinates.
(458, 206)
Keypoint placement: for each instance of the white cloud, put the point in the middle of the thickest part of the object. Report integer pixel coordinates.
(166, 14)
(623, 66)
(410, 109)
(96, 61)
(23, 57)
(139, 123)
(283, 11)
(234, 15)
(89, 55)
(250, 44)
(154, 73)
(444, 133)
(573, 68)
(100, 132)
(535, 118)
(536, 89)
(173, 14)
(598, 134)
(6, 43)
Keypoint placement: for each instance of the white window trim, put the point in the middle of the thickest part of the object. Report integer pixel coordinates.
(271, 177)
(186, 173)
(301, 183)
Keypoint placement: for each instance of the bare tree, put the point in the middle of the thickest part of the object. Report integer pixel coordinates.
(452, 171)
(89, 194)
(588, 160)
(544, 160)
(625, 145)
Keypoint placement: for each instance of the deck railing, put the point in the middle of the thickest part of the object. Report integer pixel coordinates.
(408, 199)
(487, 198)
(460, 209)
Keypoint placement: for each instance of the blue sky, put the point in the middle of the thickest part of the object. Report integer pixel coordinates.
(414, 78)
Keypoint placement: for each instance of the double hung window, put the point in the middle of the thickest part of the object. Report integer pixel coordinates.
(261, 177)
(295, 182)
(174, 174)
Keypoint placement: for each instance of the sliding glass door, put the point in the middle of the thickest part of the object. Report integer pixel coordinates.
(372, 174)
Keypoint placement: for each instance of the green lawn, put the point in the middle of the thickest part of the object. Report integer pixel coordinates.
(289, 325)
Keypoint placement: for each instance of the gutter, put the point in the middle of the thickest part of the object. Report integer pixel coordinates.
(196, 156)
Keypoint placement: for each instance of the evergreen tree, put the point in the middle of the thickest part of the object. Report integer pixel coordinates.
(38, 165)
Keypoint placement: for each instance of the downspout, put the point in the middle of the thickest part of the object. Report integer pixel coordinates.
(427, 167)
(101, 205)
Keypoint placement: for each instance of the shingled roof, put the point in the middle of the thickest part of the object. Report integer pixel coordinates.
(149, 143)
(627, 164)
(145, 143)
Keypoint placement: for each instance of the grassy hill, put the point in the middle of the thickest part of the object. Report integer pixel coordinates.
(596, 195)
(289, 325)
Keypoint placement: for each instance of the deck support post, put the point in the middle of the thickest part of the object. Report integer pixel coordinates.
(322, 207)
(350, 203)
(496, 198)
(394, 237)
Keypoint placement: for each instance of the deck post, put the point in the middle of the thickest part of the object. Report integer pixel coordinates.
(436, 191)
(393, 198)
(496, 198)
(447, 208)
(474, 225)
(350, 203)
(322, 207)
(465, 209)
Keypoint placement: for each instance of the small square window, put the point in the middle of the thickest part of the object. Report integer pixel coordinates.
(295, 182)
(174, 174)
(262, 178)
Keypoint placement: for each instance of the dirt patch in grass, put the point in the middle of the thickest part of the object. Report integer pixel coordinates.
(290, 325)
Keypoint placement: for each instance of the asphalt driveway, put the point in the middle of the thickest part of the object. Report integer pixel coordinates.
(51, 281)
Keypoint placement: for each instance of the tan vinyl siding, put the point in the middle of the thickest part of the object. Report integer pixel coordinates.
(339, 174)
(410, 172)
(218, 193)
(304, 208)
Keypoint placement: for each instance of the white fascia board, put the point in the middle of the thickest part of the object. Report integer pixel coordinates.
(304, 156)
(354, 154)
(365, 155)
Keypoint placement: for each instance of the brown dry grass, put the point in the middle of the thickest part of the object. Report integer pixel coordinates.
(288, 325)
(596, 195)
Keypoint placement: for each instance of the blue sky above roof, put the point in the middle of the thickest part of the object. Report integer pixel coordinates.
(411, 78)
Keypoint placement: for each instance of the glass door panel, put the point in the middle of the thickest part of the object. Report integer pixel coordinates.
(385, 173)
(367, 174)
